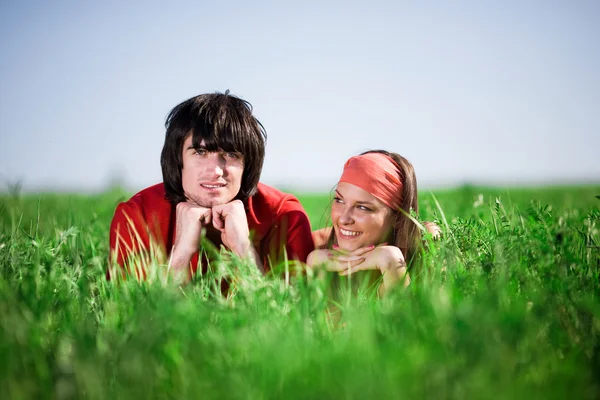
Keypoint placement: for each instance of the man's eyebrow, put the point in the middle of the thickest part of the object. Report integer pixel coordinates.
(192, 147)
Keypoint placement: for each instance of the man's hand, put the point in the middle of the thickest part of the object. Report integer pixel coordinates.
(190, 219)
(230, 219)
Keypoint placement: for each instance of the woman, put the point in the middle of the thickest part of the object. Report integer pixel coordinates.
(373, 229)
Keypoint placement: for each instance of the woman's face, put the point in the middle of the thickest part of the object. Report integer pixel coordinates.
(359, 218)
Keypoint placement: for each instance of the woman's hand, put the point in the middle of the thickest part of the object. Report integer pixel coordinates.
(389, 260)
(433, 228)
(382, 257)
(337, 260)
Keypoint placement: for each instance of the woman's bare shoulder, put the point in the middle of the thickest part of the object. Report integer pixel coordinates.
(320, 237)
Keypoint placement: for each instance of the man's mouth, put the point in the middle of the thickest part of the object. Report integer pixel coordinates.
(212, 186)
(349, 234)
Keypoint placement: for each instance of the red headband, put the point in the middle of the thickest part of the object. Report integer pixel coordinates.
(376, 173)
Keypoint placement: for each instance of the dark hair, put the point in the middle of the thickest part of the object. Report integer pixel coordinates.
(405, 233)
(225, 122)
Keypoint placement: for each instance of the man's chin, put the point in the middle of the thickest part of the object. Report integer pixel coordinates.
(213, 201)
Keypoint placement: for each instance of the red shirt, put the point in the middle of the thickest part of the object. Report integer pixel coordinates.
(145, 224)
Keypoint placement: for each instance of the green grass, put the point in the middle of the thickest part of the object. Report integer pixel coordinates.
(505, 306)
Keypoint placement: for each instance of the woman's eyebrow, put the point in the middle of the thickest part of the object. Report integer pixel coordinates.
(366, 202)
(357, 202)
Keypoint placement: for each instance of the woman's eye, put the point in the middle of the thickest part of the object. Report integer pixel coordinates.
(364, 208)
(200, 152)
(338, 200)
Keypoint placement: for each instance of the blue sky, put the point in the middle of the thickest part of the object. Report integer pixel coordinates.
(482, 91)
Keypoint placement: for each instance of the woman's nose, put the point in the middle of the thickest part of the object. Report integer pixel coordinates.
(346, 217)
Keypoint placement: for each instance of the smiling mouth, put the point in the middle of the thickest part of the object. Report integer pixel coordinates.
(210, 186)
(349, 234)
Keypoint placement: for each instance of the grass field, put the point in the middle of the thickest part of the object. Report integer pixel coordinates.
(506, 305)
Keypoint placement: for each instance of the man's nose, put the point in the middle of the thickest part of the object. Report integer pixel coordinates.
(217, 164)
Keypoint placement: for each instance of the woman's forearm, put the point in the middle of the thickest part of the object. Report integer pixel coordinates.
(394, 272)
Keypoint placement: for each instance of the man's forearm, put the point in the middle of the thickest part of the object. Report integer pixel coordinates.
(179, 265)
(253, 255)
(248, 251)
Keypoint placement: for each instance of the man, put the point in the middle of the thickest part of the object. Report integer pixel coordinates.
(211, 163)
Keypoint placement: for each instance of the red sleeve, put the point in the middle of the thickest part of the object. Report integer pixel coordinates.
(292, 233)
(128, 240)
(299, 236)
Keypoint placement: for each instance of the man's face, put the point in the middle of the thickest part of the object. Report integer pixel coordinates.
(210, 178)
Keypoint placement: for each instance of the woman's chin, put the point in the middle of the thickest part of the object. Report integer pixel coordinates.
(349, 247)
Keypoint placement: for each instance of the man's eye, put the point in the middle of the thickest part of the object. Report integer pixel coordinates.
(200, 152)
